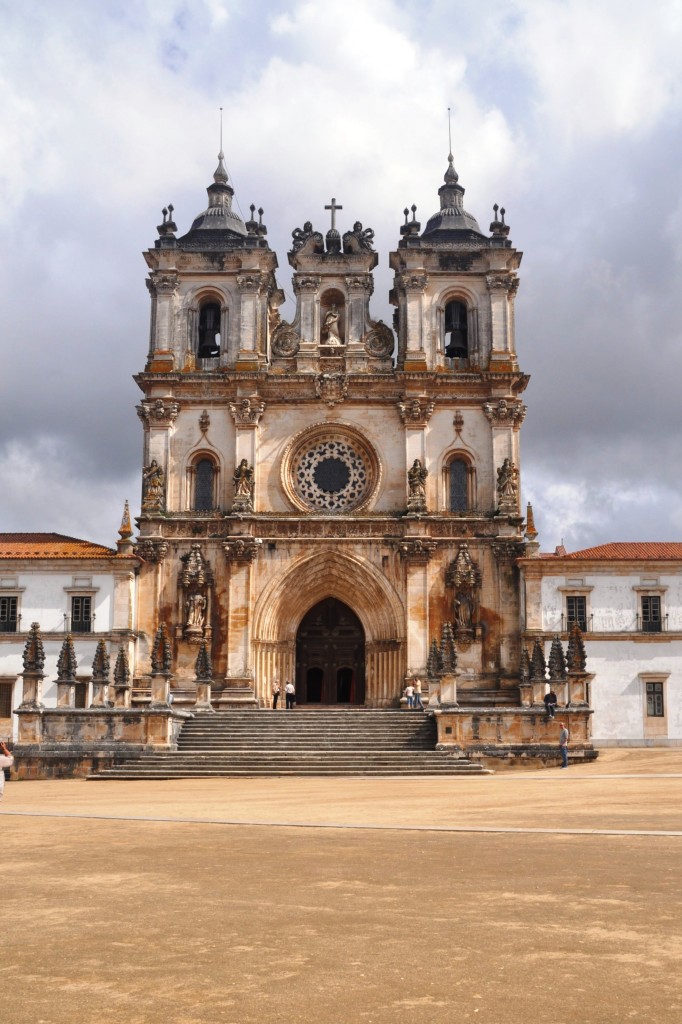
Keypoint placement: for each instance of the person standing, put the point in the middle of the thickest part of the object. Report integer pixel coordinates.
(275, 693)
(290, 694)
(418, 694)
(409, 693)
(563, 744)
(6, 761)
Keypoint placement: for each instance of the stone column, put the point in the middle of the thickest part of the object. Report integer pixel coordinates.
(416, 554)
(250, 283)
(240, 553)
(413, 285)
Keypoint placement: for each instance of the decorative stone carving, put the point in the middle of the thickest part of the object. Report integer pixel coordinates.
(413, 282)
(507, 550)
(242, 549)
(66, 674)
(538, 668)
(379, 340)
(161, 652)
(417, 550)
(464, 576)
(163, 284)
(159, 412)
(307, 240)
(285, 341)
(203, 671)
(508, 488)
(195, 581)
(458, 423)
(575, 653)
(250, 282)
(331, 387)
(204, 421)
(100, 677)
(359, 239)
(34, 652)
(524, 666)
(356, 282)
(505, 413)
(153, 488)
(122, 678)
(416, 412)
(557, 660)
(307, 282)
(416, 480)
(152, 550)
(248, 411)
(244, 485)
(504, 282)
(330, 468)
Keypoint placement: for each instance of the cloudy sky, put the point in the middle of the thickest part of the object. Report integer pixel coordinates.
(566, 112)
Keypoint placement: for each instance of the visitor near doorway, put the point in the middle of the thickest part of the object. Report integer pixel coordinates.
(275, 693)
(409, 693)
(418, 694)
(290, 694)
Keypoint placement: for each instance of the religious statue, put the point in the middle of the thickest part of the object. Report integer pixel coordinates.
(307, 238)
(416, 479)
(195, 581)
(153, 484)
(196, 604)
(359, 239)
(508, 487)
(331, 328)
(463, 574)
(243, 487)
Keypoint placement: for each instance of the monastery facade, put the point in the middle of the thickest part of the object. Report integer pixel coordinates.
(321, 496)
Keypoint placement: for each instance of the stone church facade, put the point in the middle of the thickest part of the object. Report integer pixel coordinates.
(321, 497)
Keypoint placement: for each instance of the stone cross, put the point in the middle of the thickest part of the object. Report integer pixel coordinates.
(333, 208)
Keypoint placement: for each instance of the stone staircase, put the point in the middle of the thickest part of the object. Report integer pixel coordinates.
(305, 741)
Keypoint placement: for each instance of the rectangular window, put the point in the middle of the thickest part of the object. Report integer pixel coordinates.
(651, 614)
(8, 614)
(81, 620)
(5, 700)
(654, 700)
(576, 611)
(81, 695)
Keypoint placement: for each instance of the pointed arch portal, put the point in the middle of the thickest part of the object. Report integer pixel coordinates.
(330, 655)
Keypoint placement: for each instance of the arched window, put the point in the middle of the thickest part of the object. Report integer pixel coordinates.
(458, 481)
(204, 474)
(209, 331)
(456, 330)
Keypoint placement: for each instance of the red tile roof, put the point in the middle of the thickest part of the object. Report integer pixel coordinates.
(622, 551)
(50, 545)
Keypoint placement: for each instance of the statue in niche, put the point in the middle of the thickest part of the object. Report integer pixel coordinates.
(196, 605)
(416, 479)
(195, 581)
(243, 487)
(464, 576)
(153, 484)
(331, 328)
(508, 487)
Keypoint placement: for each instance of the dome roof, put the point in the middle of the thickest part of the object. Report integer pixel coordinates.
(452, 216)
(219, 215)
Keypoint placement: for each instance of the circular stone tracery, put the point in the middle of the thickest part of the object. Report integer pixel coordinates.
(330, 470)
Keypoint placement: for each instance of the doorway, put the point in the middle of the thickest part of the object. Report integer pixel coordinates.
(330, 656)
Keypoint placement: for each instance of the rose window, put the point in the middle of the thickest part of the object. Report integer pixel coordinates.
(330, 471)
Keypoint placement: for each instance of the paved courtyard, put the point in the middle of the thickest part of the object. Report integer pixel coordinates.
(548, 896)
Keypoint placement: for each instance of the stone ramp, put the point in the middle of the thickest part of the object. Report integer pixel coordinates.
(305, 741)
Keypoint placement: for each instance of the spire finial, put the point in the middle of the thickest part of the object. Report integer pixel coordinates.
(449, 137)
(221, 129)
(220, 175)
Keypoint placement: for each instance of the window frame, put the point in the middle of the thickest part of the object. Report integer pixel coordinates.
(471, 482)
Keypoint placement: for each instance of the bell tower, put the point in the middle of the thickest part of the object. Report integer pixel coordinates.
(454, 290)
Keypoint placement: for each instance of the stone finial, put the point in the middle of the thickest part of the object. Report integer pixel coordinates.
(575, 654)
(557, 661)
(101, 664)
(125, 530)
(538, 666)
(448, 650)
(161, 652)
(34, 653)
(531, 532)
(524, 666)
(67, 662)
(434, 662)
(122, 668)
(203, 668)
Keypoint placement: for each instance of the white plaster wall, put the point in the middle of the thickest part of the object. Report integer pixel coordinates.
(612, 602)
